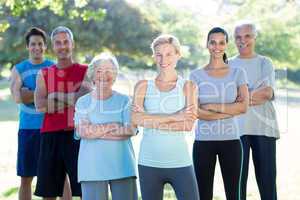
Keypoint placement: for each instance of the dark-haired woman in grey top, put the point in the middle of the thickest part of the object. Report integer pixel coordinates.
(223, 94)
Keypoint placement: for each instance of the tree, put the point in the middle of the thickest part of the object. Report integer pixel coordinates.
(278, 29)
(113, 25)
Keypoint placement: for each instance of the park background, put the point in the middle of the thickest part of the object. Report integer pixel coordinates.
(126, 28)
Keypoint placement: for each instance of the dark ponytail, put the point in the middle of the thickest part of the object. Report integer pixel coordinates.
(225, 59)
(219, 30)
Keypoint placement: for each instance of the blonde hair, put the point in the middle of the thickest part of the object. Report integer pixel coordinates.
(166, 39)
(99, 59)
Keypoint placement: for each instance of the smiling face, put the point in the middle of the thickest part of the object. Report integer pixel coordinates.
(104, 75)
(166, 56)
(62, 46)
(36, 47)
(217, 45)
(245, 40)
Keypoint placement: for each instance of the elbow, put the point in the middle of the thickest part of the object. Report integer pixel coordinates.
(18, 100)
(244, 108)
(243, 111)
(40, 106)
(41, 109)
(270, 96)
(188, 126)
(269, 93)
(135, 119)
(128, 132)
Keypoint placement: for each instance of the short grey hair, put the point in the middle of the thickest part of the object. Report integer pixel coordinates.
(62, 29)
(249, 24)
(98, 60)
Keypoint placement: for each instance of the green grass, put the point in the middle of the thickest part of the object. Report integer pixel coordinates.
(10, 192)
(9, 109)
(4, 84)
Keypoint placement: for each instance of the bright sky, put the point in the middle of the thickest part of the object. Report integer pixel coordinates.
(204, 6)
(207, 6)
(204, 9)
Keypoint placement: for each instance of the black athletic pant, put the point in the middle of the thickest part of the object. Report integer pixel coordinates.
(182, 179)
(229, 153)
(264, 159)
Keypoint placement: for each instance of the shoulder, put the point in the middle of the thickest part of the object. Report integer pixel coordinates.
(235, 61)
(233, 58)
(141, 85)
(83, 101)
(196, 72)
(46, 70)
(50, 68)
(21, 65)
(124, 101)
(121, 97)
(266, 60)
(48, 62)
(81, 70)
(81, 66)
(196, 75)
(267, 64)
(238, 71)
(189, 86)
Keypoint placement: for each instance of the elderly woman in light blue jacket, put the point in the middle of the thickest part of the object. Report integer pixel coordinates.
(102, 119)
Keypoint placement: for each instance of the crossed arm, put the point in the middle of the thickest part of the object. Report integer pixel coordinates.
(20, 94)
(226, 110)
(182, 120)
(261, 95)
(109, 131)
(53, 102)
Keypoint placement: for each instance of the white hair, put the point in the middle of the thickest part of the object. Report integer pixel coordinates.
(97, 60)
(246, 23)
(62, 29)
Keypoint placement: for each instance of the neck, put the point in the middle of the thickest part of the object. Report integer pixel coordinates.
(250, 55)
(167, 76)
(36, 61)
(64, 63)
(102, 93)
(216, 63)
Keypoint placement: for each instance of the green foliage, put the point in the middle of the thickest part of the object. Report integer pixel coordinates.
(278, 29)
(97, 25)
(127, 30)
(183, 25)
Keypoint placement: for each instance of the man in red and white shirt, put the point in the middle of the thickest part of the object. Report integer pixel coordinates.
(58, 88)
